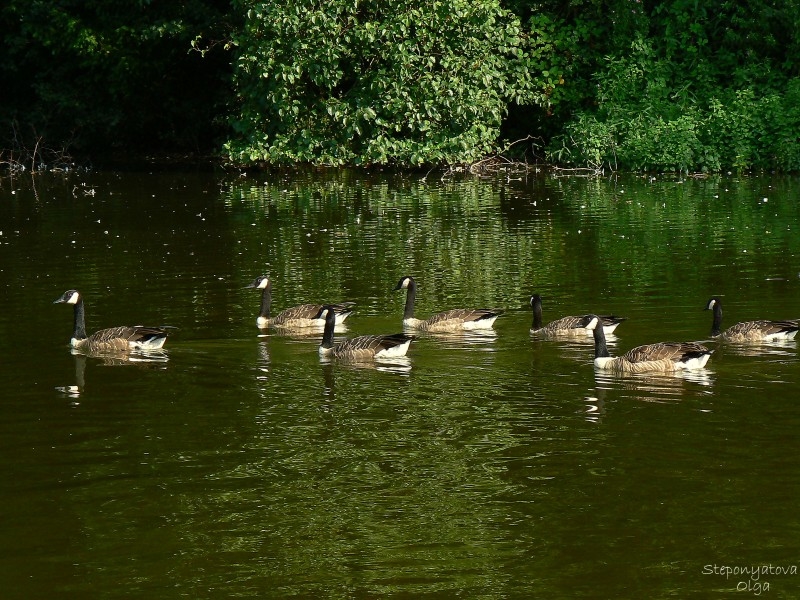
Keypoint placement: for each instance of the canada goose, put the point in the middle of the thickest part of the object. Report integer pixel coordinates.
(296, 317)
(663, 357)
(457, 319)
(114, 339)
(365, 347)
(572, 325)
(750, 331)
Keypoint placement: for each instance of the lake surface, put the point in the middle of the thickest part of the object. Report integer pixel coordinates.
(239, 464)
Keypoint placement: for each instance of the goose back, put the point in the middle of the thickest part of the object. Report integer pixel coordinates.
(123, 339)
(457, 319)
(367, 347)
(304, 315)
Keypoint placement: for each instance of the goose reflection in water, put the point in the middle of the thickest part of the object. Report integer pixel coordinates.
(263, 360)
(656, 388)
(399, 365)
(775, 349)
(133, 358)
(461, 339)
(396, 366)
(668, 387)
(150, 359)
(75, 391)
(595, 406)
(308, 333)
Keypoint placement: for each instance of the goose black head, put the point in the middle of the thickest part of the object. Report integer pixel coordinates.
(404, 283)
(326, 312)
(262, 282)
(592, 322)
(68, 297)
(713, 302)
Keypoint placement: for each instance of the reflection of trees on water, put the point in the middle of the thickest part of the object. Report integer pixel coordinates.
(489, 242)
(313, 231)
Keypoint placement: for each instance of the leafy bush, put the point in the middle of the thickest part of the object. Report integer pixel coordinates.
(338, 82)
(785, 129)
(684, 86)
(674, 84)
(654, 114)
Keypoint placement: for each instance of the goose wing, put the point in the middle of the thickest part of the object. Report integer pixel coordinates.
(297, 313)
(309, 312)
(343, 310)
(462, 315)
(762, 328)
(672, 351)
(566, 324)
(609, 320)
(577, 324)
(343, 307)
(367, 346)
(122, 339)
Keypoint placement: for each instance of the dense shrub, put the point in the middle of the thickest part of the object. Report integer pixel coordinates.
(669, 85)
(402, 82)
(696, 88)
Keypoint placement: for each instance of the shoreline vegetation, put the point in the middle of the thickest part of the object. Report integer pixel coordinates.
(475, 87)
(40, 159)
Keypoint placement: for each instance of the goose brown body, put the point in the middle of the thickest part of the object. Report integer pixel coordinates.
(365, 347)
(457, 319)
(649, 358)
(301, 316)
(569, 325)
(111, 340)
(762, 330)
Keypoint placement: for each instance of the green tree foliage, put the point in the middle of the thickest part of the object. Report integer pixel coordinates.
(402, 82)
(108, 75)
(692, 86)
(663, 85)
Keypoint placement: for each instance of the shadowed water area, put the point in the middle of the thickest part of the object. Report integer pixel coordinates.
(237, 463)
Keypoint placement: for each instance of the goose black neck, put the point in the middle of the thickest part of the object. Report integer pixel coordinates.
(716, 325)
(79, 321)
(266, 302)
(600, 348)
(330, 323)
(411, 295)
(536, 302)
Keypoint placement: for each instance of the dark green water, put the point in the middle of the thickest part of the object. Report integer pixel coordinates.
(483, 467)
